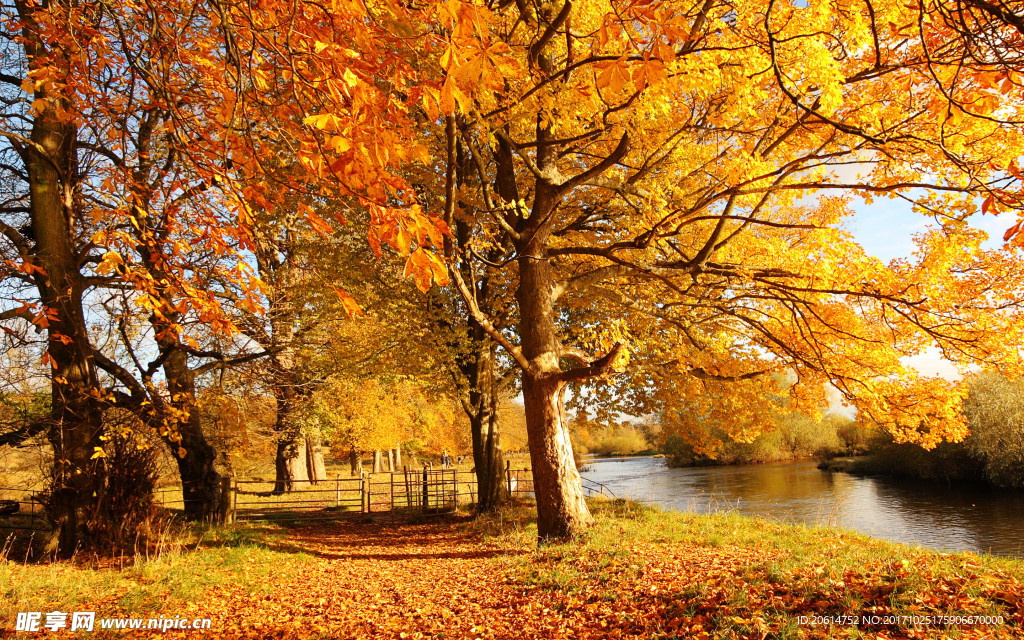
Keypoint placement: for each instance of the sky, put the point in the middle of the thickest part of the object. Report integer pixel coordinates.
(885, 228)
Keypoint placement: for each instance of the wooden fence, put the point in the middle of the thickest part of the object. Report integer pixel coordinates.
(21, 510)
(426, 490)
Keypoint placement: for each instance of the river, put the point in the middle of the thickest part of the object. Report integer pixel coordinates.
(947, 518)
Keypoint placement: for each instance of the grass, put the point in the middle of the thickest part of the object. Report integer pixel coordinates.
(249, 557)
(638, 572)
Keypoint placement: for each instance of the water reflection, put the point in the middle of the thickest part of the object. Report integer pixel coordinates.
(949, 518)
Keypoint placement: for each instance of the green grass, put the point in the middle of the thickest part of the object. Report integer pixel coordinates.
(178, 571)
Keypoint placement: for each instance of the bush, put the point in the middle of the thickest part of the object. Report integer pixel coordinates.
(123, 508)
(608, 440)
(995, 416)
(795, 436)
(126, 513)
(948, 462)
(993, 451)
(622, 443)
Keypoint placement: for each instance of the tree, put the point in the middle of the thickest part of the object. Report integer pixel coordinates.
(668, 170)
(167, 81)
(47, 250)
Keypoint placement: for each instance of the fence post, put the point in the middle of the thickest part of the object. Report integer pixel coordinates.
(337, 489)
(508, 476)
(391, 485)
(363, 497)
(426, 490)
(455, 476)
(408, 487)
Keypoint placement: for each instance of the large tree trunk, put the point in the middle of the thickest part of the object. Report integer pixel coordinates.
(377, 466)
(391, 460)
(290, 460)
(398, 457)
(561, 509)
(290, 464)
(315, 456)
(76, 410)
(200, 481)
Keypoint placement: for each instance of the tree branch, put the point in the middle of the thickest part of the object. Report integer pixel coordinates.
(595, 368)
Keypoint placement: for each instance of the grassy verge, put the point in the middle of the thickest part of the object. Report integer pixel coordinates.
(179, 571)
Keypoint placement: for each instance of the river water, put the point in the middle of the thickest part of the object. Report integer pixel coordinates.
(935, 515)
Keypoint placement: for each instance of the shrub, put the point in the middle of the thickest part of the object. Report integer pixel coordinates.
(995, 416)
(794, 436)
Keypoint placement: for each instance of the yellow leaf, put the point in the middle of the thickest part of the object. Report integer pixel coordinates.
(98, 452)
(111, 259)
(403, 240)
(323, 121)
(349, 303)
(440, 270)
(340, 144)
(446, 101)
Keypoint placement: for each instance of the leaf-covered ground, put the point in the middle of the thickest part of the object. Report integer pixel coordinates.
(640, 574)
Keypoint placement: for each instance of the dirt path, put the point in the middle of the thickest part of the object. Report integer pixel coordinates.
(396, 580)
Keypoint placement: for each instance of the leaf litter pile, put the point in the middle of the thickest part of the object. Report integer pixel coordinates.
(446, 579)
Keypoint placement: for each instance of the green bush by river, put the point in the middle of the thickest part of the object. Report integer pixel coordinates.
(992, 453)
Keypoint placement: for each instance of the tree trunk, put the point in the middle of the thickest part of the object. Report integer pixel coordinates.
(290, 463)
(377, 466)
(182, 428)
(76, 412)
(391, 460)
(315, 456)
(354, 461)
(398, 457)
(482, 410)
(290, 459)
(561, 509)
(489, 462)
(480, 400)
(200, 481)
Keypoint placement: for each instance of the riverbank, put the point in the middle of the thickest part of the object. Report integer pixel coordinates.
(640, 573)
(914, 464)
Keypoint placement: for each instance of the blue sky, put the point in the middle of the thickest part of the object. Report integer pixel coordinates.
(885, 228)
